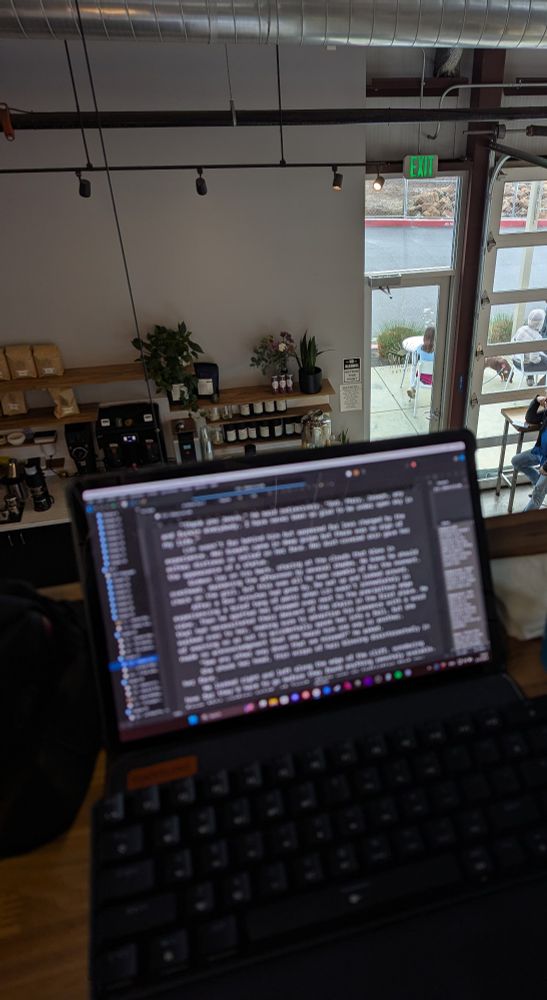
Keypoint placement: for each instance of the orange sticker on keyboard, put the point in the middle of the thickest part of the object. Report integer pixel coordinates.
(165, 770)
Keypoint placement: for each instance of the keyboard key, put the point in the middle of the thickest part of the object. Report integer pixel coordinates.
(167, 831)
(136, 916)
(303, 799)
(486, 752)
(538, 737)
(200, 899)
(472, 825)
(270, 805)
(475, 787)
(126, 880)
(342, 861)
(383, 813)
(508, 854)
(374, 747)
(202, 821)
(177, 867)
(478, 864)
(146, 801)
(376, 851)
(349, 822)
(505, 780)
(513, 813)
(414, 804)
(169, 952)
(536, 844)
(397, 774)
(456, 759)
(534, 773)
(116, 845)
(217, 785)
(250, 848)
(118, 967)
(335, 790)
(403, 740)
(427, 766)
(432, 734)
(218, 938)
(440, 833)
(444, 796)
(367, 781)
(461, 727)
(237, 889)
(343, 754)
(112, 809)
(313, 762)
(214, 857)
(272, 880)
(237, 815)
(514, 746)
(250, 777)
(326, 906)
(182, 792)
(317, 830)
(526, 713)
(308, 870)
(409, 843)
(489, 721)
(282, 839)
(281, 769)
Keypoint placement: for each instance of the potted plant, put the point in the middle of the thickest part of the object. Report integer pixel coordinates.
(272, 354)
(168, 356)
(310, 377)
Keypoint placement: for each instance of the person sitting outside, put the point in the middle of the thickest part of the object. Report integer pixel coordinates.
(424, 353)
(536, 361)
(528, 461)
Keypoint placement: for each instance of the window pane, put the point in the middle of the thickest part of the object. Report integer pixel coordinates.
(409, 225)
(524, 207)
(505, 320)
(521, 267)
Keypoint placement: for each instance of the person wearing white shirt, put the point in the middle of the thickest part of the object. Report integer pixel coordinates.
(535, 360)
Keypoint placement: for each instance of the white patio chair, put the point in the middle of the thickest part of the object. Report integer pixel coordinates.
(422, 368)
(516, 362)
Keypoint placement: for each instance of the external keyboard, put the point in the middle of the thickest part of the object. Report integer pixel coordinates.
(217, 869)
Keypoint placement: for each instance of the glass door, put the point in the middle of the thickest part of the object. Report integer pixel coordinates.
(407, 317)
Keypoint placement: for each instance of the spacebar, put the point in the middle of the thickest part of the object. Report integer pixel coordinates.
(364, 897)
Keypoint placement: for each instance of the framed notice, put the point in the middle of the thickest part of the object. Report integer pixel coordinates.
(351, 370)
(351, 397)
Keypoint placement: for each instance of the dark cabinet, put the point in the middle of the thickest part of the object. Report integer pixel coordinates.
(42, 556)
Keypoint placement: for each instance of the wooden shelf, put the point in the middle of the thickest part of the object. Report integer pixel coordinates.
(44, 417)
(260, 418)
(293, 439)
(260, 393)
(92, 375)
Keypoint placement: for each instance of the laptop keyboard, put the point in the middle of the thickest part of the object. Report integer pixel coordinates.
(218, 869)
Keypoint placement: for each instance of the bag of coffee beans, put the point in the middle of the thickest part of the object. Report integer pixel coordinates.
(48, 360)
(13, 403)
(4, 369)
(20, 361)
(65, 402)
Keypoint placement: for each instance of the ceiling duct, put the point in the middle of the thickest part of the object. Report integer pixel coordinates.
(423, 23)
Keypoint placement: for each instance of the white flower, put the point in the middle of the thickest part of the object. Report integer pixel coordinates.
(282, 347)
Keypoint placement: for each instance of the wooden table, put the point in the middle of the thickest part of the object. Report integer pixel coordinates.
(514, 417)
(44, 895)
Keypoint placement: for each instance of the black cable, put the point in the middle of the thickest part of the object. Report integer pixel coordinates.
(280, 107)
(118, 227)
(78, 109)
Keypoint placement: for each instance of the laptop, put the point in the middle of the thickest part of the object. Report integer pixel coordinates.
(319, 775)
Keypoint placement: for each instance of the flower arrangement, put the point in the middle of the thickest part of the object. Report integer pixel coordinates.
(273, 353)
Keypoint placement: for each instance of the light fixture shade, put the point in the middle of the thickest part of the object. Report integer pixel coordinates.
(201, 183)
(337, 181)
(84, 187)
(379, 182)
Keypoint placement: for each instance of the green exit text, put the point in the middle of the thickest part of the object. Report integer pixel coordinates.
(420, 166)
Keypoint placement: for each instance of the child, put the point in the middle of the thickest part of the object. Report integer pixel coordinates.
(424, 353)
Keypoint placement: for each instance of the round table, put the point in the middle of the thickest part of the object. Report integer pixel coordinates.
(410, 345)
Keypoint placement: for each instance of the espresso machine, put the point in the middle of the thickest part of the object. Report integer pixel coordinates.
(130, 435)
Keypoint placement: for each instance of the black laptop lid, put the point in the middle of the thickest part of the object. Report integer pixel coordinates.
(231, 589)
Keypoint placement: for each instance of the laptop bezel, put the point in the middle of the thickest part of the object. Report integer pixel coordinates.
(97, 632)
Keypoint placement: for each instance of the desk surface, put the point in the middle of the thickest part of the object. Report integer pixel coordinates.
(44, 895)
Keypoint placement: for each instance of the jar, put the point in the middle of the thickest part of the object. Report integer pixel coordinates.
(253, 432)
(214, 413)
(317, 430)
(289, 383)
(231, 433)
(264, 430)
(258, 408)
(278, 428)
(289, 426)
(281, 405)
(245, 409)
(283, 382)
(242, 433)
(217, 435)
(269, 406)
(275, 383)
(235, 409)
(226, 411)
(298, 425)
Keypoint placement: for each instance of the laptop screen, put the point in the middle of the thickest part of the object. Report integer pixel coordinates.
(236, 591)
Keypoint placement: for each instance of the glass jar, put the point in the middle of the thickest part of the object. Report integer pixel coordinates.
(253, 431)
(269, 406)
(289, 426)
(281, 405)
(245, 409)
(258, 408)
(264, 430)
(231, 433)
(298, 425)
(278, 428)
(217, 435)
(242, 432)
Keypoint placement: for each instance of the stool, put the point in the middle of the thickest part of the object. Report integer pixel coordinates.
(514, 417)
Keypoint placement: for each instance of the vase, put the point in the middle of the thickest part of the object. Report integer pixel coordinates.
(310, 382)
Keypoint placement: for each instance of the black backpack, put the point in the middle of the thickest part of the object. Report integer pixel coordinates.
(50, 730)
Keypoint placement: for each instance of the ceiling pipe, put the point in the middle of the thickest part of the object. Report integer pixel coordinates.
(25, 121)
(429, 23)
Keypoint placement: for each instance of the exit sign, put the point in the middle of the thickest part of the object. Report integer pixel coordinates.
(416, 165)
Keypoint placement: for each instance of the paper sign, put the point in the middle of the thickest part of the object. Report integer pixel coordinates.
(352, 370)
(351, 398)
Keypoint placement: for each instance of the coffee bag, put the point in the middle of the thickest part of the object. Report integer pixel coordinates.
(4, 369)
(13, 403)
(48, 360)
(20, 361)
(65, 402)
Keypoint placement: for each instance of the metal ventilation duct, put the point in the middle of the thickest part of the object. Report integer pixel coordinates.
(425, 23)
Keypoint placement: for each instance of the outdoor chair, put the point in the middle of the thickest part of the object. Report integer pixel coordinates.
(422, 368)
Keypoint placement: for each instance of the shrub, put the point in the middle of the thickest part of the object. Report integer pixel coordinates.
(391, 336)
(500, 329)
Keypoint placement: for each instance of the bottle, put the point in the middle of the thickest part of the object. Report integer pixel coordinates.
(289, 382)
(41, 500)
(253, 433)
(282, 382)
(258, 408)
(206, 445)
(15, 483)
(275, 383)
(242, 432)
